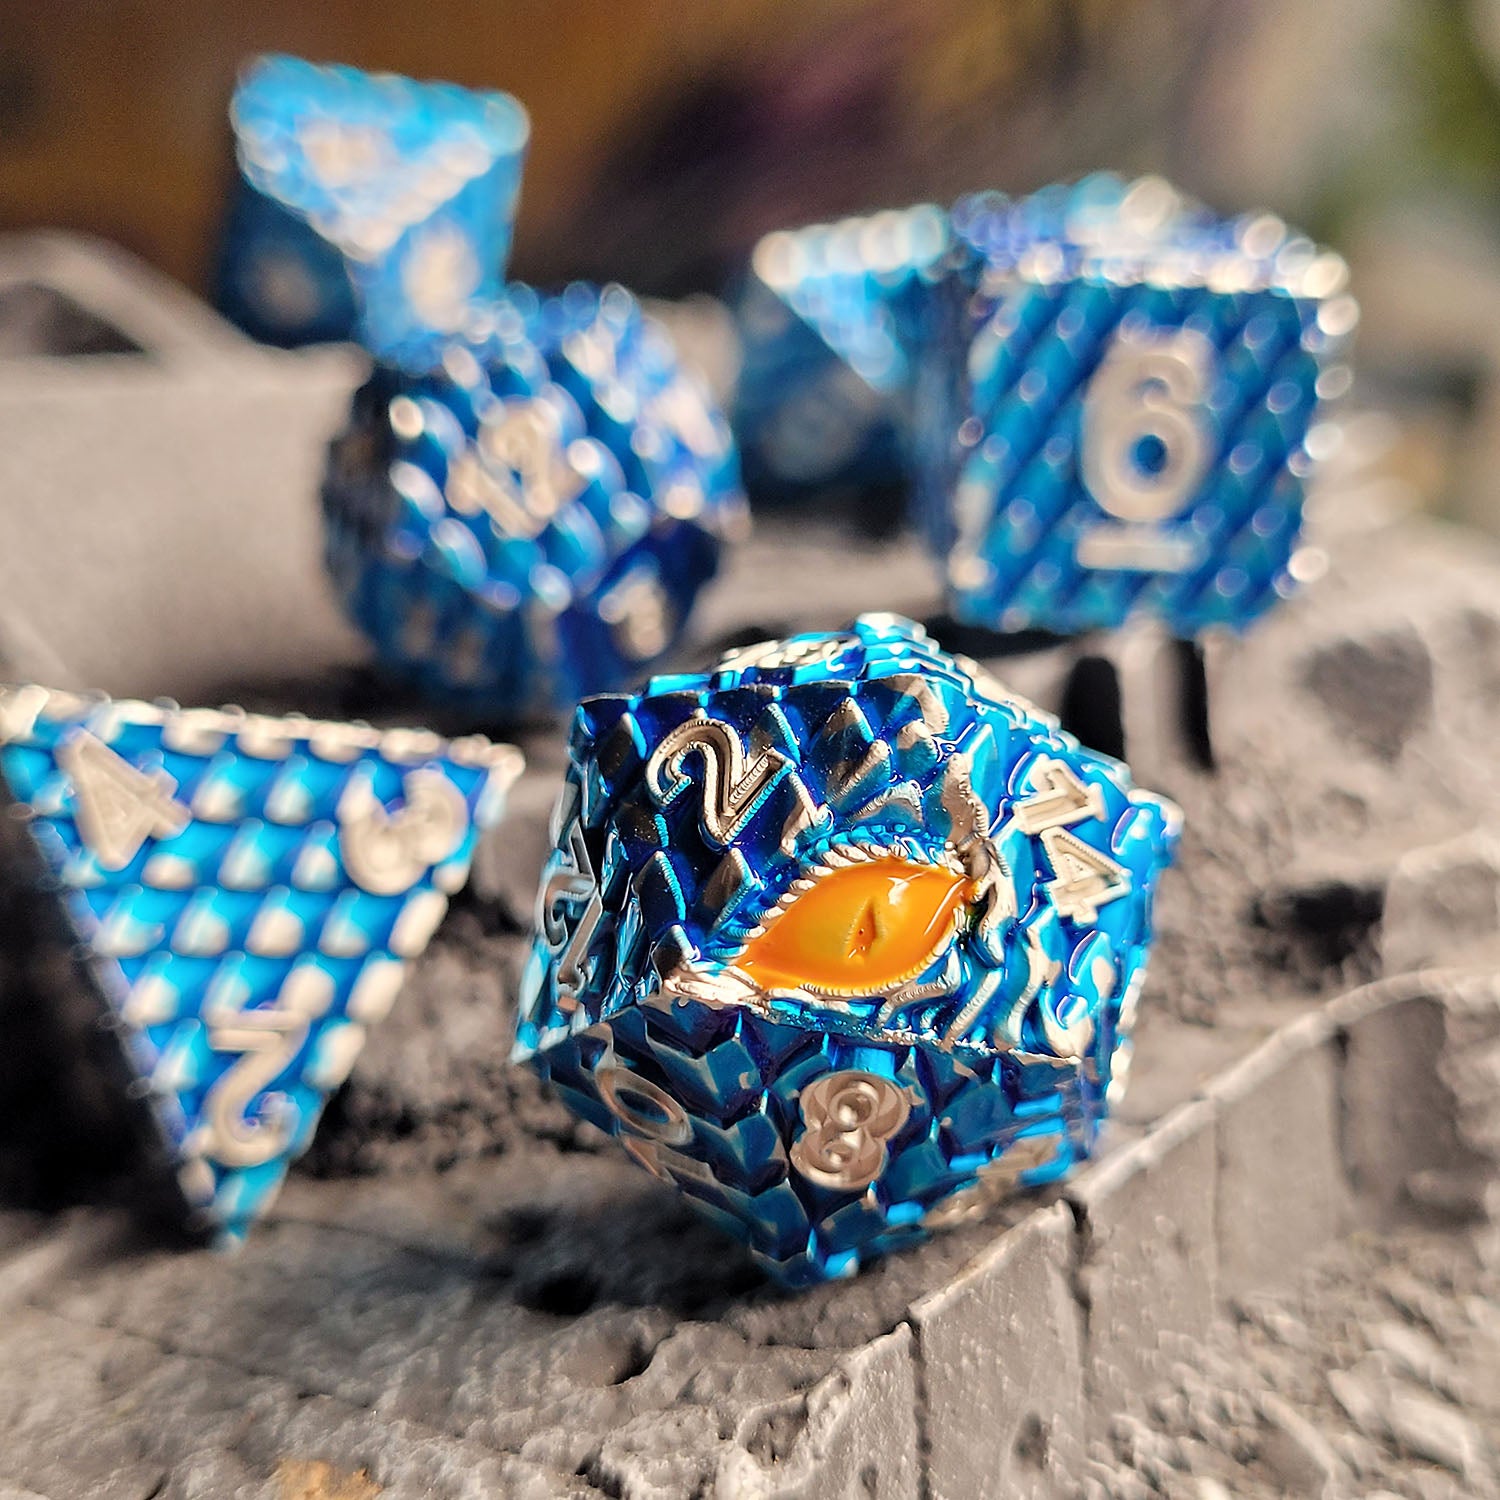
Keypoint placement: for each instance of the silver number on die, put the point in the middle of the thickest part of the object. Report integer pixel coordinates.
(849, 1118)
(1145, 445)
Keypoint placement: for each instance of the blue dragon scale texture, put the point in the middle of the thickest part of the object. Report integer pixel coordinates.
(1125, 413)
(527, 514)
(825, 1128)
(532, 489)
(249, 892)
(414, 184)
(830, 320)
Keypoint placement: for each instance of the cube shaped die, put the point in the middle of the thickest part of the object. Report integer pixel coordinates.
(1137, 417)
(841, 938)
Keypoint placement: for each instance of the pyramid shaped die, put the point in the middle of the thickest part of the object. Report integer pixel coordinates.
(249, 892)
(830, 319)
(841, 938)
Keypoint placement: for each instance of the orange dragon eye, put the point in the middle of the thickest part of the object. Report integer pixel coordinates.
(860, 929)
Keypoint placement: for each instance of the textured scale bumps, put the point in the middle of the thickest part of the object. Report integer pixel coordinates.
(966, 891)
(247, 893)
(1128, 395)
(528, 513)
(531, 490)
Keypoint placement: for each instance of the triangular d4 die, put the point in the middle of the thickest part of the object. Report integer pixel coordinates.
(249, 892)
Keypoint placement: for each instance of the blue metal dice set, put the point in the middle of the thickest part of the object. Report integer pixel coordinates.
(249, 892)
(532, 490)
(851, 333)
(840, 937)
(1111, 395)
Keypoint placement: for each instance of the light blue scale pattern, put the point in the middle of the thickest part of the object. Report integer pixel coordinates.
(503, 620)
(1003, 500)
(829, 319)
(264, 841)
(522, 601)
(415, 183)
(884, 698)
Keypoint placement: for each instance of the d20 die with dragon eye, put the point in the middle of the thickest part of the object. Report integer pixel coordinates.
(841, 938)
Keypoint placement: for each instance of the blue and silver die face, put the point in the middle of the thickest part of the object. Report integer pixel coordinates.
(1138, 433)
(415, 184)
(528, 514)
(246, 893)
(839, 938)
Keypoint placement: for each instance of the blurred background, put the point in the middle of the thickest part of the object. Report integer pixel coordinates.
(668, 136)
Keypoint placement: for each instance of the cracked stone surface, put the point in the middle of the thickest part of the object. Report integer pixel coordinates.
(1378, 1372)
(464, 1291)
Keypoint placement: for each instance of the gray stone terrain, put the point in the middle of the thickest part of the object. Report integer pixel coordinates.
(1376, 1373)
(1278, 1278)
(462, 1291)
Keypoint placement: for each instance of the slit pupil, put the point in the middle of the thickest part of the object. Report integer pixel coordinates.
(866, 931)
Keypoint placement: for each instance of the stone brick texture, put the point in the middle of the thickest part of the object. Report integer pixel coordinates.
(464, 1291)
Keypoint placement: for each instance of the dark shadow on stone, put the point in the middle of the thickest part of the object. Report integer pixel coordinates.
(567, 1294)
(648, 1250)
(974, 640)
(1032, 1442)
(493, 916)
(1194, 707)
(1092, 708)
(775, 1435)
(881, 510)
(74, 1125)
(1324, 926)
(870, 512)
(1376, 689)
